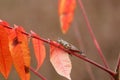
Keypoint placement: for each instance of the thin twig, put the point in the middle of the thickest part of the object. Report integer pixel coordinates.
(118, 63)
(92, 34)
(38, 74)
(117, 76)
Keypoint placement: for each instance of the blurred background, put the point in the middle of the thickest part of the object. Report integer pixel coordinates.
(42, 17)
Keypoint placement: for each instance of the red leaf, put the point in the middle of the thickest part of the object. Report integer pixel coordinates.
(20, 52)
(5, 56)
(3, 23)
(39, 50)
(60, 61)
(66, 13)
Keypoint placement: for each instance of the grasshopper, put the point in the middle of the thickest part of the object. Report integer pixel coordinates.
(69, 46)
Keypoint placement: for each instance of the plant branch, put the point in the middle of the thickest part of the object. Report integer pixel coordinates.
(68, 51)
(92, 34)
(38, 74)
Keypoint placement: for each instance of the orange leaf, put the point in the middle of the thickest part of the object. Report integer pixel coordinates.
(66, 13)
(39, 50)
(20, 52)
(3, 23)
(60, 61)
(5, 55)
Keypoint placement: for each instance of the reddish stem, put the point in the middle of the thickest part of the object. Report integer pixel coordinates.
(38, 74)
(118, 63)
(92, 34)
(117, 76)
(77, 55)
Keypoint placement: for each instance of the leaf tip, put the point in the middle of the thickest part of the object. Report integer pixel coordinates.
(15, 26)
(32, 32)
(64, 32)
(69, 77)
(1, 20)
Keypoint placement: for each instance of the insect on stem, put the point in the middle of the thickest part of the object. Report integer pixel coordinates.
(70, 47)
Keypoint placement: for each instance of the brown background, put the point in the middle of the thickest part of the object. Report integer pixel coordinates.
(41, 16)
